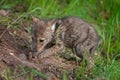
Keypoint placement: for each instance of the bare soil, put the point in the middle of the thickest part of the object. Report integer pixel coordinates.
(14, 51)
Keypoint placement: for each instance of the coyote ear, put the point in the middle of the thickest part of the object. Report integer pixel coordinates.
(34, 19)
(53, 27)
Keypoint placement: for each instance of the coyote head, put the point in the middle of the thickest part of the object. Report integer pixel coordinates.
(42, 33)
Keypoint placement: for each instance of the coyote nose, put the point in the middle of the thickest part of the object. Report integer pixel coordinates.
(41, 39)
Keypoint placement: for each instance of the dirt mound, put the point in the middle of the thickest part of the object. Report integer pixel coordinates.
(14, 50)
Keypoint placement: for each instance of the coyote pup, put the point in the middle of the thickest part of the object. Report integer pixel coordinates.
(51, 36)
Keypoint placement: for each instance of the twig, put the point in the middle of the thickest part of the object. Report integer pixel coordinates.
(25, 63)
(3, 33)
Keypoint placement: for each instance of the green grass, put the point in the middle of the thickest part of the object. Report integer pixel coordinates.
(104, 15)
(28, 74)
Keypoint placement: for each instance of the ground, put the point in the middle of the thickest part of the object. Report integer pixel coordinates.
(12, 41)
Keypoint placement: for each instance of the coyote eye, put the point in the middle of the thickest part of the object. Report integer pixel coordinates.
(41, 39)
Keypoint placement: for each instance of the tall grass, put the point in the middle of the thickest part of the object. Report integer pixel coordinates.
(104, 15)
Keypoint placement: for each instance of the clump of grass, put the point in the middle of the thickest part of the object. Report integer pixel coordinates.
(64, 75)
(27, 74)
(6, 74)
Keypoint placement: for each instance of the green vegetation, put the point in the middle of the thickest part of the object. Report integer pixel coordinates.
(27, 73)
(104, 15)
